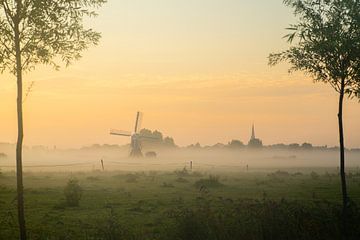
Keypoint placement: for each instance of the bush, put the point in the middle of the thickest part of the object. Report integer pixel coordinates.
(182, 173)
(131, 178)
(297, 174)
(73, 193)
(251, 219)
(314, 175)
(279, 174)
(212, 181)
(93, 179)
(111, 229)
(181, 180)
(167, 185)
(197, 174)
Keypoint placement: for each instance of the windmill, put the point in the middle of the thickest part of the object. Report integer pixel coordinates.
(136, 137)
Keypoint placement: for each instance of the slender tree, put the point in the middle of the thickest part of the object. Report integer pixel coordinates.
(40, 32)
(325, 44)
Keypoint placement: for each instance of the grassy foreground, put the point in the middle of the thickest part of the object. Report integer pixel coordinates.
(182, 205)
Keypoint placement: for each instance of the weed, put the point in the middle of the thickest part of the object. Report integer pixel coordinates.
(181, 180)
(210, 182)
(167, 185)
(93, 178)
(182, 173)
(73, 193)
(314, 175)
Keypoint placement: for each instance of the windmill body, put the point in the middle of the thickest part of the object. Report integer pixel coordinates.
(136, 137)
(135, 146)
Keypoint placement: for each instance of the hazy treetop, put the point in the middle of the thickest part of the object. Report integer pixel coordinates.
(325, 42)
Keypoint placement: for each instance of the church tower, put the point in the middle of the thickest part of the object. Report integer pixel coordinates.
(253, 133)
(254, 142)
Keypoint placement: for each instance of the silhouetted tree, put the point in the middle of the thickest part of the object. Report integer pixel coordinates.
(169, 142)
(294, 146)
(194, 146)
(307, 146)
(158, 135)
(235, 144)
(326, 45)
(39, 32)
(156, 139)
(146, 132)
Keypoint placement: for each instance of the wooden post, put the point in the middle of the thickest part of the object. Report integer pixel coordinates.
(102, 164)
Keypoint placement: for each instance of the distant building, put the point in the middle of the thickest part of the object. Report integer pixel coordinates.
(254, 142)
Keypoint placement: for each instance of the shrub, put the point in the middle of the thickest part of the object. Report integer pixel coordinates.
(181, 180)
(182, 173)
(314, 175)
(167, 185)
(211, 181)
(131, 178)
(93, 179)
(110, 228)
(73, 193)
(279, 174)
(297, 174)
(197, 174)
(250, 219)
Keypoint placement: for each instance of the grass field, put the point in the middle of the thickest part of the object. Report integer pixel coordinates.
(154, 205)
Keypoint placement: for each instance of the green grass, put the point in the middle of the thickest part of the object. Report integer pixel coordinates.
(145, 205)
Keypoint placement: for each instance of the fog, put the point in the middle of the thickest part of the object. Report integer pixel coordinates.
(116, 159)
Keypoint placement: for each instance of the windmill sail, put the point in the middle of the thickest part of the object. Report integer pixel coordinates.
(120, 133)
(138, 122)
(135, 145)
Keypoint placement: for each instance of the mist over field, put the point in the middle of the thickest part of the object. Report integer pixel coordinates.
(78, 160)
(117, 158)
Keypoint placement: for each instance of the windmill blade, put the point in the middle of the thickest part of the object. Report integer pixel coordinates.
(138, 121)
(120, 133)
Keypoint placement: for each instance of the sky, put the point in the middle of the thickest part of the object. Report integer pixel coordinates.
(196, 69)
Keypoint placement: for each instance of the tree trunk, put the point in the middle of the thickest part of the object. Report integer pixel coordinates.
(19, 145)
(342, 156)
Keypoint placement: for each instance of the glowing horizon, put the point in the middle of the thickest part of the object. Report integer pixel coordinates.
(197, 70)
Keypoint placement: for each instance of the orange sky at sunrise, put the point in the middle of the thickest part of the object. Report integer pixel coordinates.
(198, 71)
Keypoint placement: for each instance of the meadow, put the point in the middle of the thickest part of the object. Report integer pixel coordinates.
(293, 203)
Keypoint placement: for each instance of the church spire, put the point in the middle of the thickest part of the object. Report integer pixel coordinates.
(253, 132)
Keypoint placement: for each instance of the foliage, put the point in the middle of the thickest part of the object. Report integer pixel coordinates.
(235, 144)
(49, 31)
(73, 193)
(181, 180)
(325, 42)
(182, 173)
(146, 210)
(279, 174)
(156, 139)
(314, 175)
(93, 178)
(110, 228)
(167, 185)
(131, 178)
(211, 182)
(249, 219)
